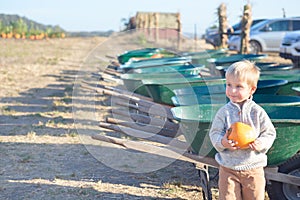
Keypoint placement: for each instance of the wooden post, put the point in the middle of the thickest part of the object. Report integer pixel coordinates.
(223, 25)
(150, 16)
(179, 31)
(156, 17)
(245, 29)
(195, 37)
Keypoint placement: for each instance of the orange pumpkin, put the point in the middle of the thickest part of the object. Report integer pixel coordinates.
(242, 133)
(32, 37)
(3, 35)
(9, 35)
(17, 35)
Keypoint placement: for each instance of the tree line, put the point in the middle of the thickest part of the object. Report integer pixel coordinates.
(18, 28)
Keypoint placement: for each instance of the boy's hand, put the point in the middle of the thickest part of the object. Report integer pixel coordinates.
(256, 145)
(229, 144)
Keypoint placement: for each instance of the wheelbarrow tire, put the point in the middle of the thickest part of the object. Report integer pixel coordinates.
(281, 191)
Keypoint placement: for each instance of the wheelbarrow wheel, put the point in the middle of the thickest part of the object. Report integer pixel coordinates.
(281, 191)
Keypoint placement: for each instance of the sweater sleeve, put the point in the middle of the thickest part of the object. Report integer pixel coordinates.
(218, 130)
(267, 132)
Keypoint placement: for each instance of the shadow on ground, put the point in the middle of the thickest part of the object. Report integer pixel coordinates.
(42, 156)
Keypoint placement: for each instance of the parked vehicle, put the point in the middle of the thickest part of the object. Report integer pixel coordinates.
(212, 34)
(290, 47)
(266, 35)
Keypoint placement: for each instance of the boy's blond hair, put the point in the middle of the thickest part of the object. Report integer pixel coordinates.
(244, 70)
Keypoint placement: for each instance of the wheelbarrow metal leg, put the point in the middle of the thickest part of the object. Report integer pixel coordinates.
(204, 181)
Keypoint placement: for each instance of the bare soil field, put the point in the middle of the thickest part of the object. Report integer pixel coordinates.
(42, 153)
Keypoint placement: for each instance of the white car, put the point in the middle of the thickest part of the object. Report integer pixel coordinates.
(267, 35)
(290, 47)
(212, 35)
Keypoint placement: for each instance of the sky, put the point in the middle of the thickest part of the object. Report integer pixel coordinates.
(100, 15)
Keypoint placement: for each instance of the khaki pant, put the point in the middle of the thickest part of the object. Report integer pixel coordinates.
(241, 185)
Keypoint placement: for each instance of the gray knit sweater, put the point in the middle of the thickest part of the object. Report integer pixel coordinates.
(253, 115)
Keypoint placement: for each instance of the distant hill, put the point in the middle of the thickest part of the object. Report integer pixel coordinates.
(8, 20)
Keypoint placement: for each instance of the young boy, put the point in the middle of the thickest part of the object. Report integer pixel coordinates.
(241, 173)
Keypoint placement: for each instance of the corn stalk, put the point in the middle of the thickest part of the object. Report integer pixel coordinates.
(245, 29)
(223, 25)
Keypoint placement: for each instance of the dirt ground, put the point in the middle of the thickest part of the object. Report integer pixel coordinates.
(43, 155)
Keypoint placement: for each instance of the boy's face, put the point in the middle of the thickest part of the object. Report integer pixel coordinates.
(238, 90)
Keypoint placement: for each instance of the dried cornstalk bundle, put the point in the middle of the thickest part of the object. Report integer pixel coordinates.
(223, 25)
(245, 29)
